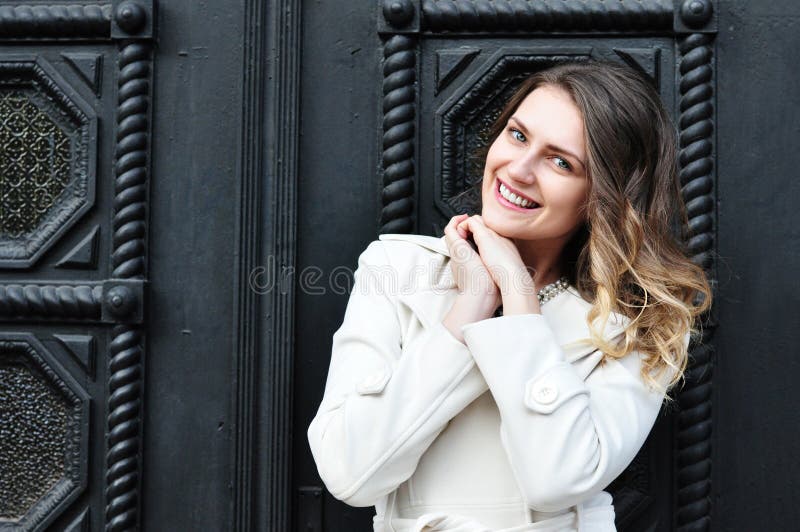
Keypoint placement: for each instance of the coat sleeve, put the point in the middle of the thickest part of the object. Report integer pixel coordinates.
(384, 402)
(566, 438)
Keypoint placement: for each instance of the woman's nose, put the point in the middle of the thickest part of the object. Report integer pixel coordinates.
(521, 168)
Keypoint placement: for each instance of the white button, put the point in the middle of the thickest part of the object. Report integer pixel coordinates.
(373, 380)
(545, 393)
(372, 383)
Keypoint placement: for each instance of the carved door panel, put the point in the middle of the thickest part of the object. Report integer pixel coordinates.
(74, 131)
(447, 65)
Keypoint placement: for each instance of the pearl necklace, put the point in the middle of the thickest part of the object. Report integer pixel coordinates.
(552, 290)
(545, 294)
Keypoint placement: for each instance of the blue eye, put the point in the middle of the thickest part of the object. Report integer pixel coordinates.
(517, 134)
(565, 166)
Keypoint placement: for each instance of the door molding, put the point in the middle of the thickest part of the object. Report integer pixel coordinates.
(266, 234)
(120, 300)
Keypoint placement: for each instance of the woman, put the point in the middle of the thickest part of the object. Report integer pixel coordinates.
(447, 418)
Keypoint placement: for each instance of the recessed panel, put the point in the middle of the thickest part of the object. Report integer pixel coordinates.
(47, 165)
(44, 416)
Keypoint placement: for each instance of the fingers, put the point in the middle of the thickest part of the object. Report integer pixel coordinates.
(452, 227)
(470, 220)
(455, 237)
(473, 224)
(465, 223)
(458, 219)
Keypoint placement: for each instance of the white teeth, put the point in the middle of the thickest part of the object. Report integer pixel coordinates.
(513, 198)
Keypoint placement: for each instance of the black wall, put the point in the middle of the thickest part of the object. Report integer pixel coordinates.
(755, 421)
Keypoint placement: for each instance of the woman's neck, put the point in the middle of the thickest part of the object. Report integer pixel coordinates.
(543, 259)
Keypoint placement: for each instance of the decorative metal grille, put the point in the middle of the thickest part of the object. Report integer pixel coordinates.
(34, 164)
(44, 422)
(33, 436)
(47, 158)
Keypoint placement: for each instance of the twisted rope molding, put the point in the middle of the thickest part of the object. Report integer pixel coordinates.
(696, 162)
(131, 165)
(128, 260)
(51, 301)
(399, 115)
(124, 429)
(93, 20)
(546, 15)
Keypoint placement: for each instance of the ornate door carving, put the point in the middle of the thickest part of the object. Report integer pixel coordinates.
(75, 132)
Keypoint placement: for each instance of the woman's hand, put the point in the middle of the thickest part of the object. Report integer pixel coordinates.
(469, 271)
(503, 262)
(478, 295)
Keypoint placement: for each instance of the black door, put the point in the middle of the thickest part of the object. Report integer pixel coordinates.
(445, 69)
(75, 107)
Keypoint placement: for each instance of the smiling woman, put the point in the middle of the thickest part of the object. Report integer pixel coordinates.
(446, 418)
(538, 159)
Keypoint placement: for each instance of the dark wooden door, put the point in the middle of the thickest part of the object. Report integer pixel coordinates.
(185, 187)
(75, 107)
(445, 69)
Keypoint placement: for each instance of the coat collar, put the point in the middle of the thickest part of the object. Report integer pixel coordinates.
(566, 313)
(433, 243)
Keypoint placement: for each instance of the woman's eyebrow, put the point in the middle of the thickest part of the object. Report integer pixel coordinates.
(549, 146)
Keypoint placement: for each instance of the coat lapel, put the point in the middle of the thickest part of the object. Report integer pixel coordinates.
(431, 299)
(566, 313)
(431, 242)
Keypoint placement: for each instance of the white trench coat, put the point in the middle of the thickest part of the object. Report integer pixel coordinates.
(520, 429)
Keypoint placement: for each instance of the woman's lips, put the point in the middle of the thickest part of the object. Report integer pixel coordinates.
(517, 192)
(507, 204)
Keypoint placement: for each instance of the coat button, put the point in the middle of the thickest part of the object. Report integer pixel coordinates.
(372, 383)
(373, 380)
(545, 393)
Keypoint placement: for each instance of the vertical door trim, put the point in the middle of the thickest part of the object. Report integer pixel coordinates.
(266, 245)
(697, 153)
(399, 134)
(133, 28)
(249, 243)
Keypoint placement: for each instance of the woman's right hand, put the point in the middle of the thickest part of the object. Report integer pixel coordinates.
(478, 295)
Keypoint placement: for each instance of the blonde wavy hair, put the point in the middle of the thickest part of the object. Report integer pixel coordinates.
(630, 257)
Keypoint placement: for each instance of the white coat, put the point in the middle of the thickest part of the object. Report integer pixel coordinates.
(520, 429)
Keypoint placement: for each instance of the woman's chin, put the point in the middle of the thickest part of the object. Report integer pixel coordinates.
(499, 224)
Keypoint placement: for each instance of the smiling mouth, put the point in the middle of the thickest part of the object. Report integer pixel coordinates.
(513, 201)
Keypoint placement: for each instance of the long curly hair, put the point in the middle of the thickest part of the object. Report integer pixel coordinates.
(630, 257)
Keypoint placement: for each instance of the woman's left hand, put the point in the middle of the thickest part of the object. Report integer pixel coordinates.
(504, 263)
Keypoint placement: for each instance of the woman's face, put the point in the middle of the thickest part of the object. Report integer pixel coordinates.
(541, 156)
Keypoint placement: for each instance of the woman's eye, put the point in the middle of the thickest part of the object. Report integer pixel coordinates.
(517, 134)
(562, 163)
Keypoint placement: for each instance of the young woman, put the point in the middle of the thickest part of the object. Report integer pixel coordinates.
(501, 376)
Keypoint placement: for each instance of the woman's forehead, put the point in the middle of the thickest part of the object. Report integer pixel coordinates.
(549, 114)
